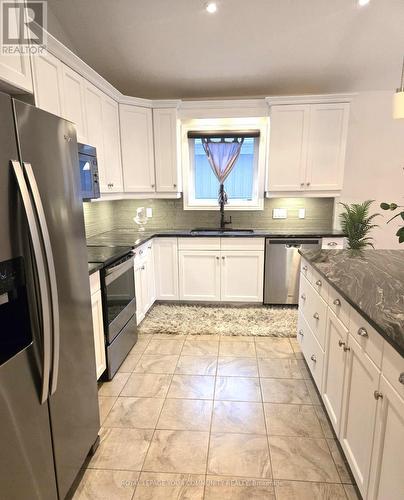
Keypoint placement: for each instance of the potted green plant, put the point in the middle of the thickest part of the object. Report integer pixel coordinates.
(356, 224)
(393, 207)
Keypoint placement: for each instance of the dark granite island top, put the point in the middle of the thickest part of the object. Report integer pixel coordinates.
(134, 238)
(372, 281)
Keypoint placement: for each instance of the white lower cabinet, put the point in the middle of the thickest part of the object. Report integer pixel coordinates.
(334, 368)
(166, 268)
(199, 275)
(359, 412)
(242, 275)
(144, 280)
(98, 325)
(387, 478)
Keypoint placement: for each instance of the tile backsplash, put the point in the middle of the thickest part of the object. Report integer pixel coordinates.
(169, 214)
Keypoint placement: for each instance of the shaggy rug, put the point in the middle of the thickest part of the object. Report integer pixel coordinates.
(254, 320)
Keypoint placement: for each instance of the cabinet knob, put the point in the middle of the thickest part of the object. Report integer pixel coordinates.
(313, 358)
(152, 185)
(304, 268)
(302, 335)
(149, 247)
(319, 282)
(303, 296)
(362, 332)
(217, 258)
(378, 395)
(223, 258)
(337, 302)
(341, 343)
(112, 184)
(316, 316)
(401, 378)
(302, 184)
(346, 348)
(140, 252)
(308, 183)
(142, 268)
(175, 185)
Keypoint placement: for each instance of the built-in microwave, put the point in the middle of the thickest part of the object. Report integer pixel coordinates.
(90, 186)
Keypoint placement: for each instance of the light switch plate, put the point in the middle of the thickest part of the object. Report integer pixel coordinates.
(302, 213)
(279, 213)
(149, 212)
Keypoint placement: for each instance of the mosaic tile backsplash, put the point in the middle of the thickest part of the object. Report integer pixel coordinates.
(169, 214)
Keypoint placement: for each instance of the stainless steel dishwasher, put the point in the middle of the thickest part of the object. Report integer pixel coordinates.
(282, 268)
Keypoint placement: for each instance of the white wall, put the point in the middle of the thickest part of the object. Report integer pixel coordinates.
(374, 167)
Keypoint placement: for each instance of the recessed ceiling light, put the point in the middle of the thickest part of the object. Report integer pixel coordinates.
(362, 3)
(211, 7)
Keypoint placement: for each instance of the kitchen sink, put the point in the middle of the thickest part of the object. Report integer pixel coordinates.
(215, 232)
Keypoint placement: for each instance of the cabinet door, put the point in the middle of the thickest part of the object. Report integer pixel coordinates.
(199, 275)
(15, 69)
(326, 150)
(73, 101)
(144, 286)
(165, 149)
(98, 329)
(166, 268)
(112, 145)
(139, 294)
(137, 149)
(336, 338)
(386, 478)
(93, 99)
(151, 275)
(48, 83)
(358, 413)
(288, 147)
(242, 276)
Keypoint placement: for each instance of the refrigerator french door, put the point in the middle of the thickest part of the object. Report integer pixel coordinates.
(49, 416)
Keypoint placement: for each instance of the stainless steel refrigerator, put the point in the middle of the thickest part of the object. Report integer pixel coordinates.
(49, 416)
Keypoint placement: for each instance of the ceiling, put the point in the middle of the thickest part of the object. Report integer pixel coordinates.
(175, 49)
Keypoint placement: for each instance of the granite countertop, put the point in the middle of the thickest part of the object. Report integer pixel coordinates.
(135, 238)
(93, 267)
(372, 281)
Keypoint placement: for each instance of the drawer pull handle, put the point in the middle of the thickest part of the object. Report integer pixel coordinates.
(362, 332)
(332, 244)
(142, 268)
(303, 296)
(302, 335)
(319, 283)
(304, 268)
(346, 348)
(313, 358)
(337, 302)
(378, 395)
(341, 343)
(401, 378)
(217, 257)
(316, 316)
(149, 247)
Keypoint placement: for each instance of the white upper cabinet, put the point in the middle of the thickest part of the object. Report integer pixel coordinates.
(326, 150)
(112, 147)
(166, 150)
(74, 108)
(48, 83)
(15, 69)
(137, 149)
(307, 147)
(95, 133)
(288, 147)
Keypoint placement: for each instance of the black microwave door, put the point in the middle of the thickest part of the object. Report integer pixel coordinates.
(88, 178)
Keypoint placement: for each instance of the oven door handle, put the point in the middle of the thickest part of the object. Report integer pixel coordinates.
(111, 273)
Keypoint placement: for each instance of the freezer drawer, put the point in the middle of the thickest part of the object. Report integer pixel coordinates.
(282, 268)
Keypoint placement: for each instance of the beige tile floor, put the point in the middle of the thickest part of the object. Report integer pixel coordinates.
(206, 417)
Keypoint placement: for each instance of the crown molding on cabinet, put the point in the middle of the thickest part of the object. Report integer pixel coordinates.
(310, 99)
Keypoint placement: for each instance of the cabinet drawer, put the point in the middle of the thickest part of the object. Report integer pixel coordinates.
(305, 268)
(319, 284)
(312, 352)
(393, 368)
(332, 243)
(367, 337)
(195, 243)
(242, 243)
(339, 306)
(95, 282)
(304, 296)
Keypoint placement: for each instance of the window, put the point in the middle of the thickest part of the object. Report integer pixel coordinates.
(245, 183)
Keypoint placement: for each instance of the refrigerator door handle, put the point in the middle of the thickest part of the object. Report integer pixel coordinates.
(42, 273)
(51, 273)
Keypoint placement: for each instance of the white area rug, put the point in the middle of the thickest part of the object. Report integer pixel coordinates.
(184, 319)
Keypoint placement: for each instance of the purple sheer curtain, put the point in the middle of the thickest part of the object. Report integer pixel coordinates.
(222, 156)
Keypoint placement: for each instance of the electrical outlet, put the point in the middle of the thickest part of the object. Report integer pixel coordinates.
(302, 213)
(279, 213)
(149, 212)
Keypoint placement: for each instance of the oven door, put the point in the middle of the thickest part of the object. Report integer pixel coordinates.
(119, 297)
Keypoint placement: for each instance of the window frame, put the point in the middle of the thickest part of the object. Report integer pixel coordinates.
(260, 159)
